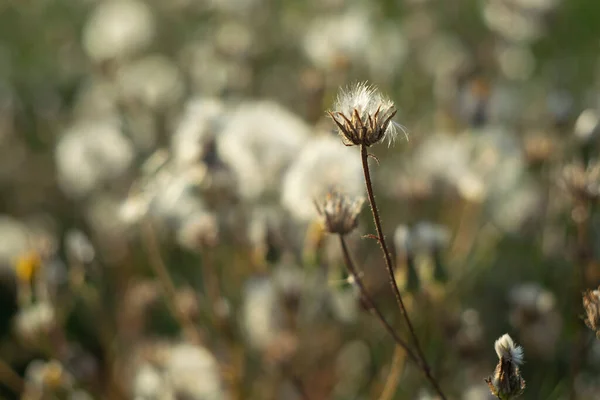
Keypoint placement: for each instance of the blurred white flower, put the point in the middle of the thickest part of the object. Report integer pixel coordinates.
(199, 229)
(258, 143)
(118, 29)
(150, 384)
(91, 153)
(445, 158)
(261, 313)
(211, 72)
(587, 125)
(153, 81)
(479, 164)
(516, 62)
(101, 214)
(15, 239)
(387, 53)
(511, 210)
(511, 22)
(234, 39)
(193, 372)
(324, 164)
(33, 323)
(78, 246)
(201, 120)
(337, 39)
(444, 55)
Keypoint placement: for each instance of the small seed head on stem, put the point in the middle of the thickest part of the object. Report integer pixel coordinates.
(591, 303)
(364, 116)
(507, 383)
(339, 212)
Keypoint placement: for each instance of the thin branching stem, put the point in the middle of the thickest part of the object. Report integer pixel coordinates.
(370, 303)
(390, 267)
(373, 308)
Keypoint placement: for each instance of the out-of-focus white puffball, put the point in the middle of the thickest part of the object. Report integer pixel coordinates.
(154, 81)
(91, 153)
(118, 29)
(193, 373)
(201, 120)
(330, 39)
(259, 142)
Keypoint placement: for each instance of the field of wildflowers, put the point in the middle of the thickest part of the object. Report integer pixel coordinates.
(299, 200)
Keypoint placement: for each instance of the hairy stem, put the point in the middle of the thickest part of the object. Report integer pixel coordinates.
(373, 309)
(390, 267)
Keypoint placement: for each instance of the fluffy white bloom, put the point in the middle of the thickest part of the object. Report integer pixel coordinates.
(193, 373)
(201, 120)
(331, 40)
(117, 29)
(91, 153)
(15, 239)
(258, 143)
(154, 81)
(587, 125)
(506, 349)
(321, 166)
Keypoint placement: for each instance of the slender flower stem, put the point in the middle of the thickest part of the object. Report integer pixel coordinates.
(389, 266)
(373, 308)
(370, 303)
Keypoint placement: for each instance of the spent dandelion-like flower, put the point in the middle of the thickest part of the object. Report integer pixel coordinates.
(591, 304)
(339, 212)
(364, 116)
(507, 383)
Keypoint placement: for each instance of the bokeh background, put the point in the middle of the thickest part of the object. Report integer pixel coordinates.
(158, 166)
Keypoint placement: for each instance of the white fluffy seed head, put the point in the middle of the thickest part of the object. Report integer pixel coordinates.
(505, 348)
(369, 104)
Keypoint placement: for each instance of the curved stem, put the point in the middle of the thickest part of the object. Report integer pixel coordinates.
(371, 304)
(390, 267)
(373, 308)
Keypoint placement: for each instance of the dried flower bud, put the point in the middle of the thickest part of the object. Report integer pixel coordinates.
(507, 383)
(591, 303)
(339, 212)
(364, 116)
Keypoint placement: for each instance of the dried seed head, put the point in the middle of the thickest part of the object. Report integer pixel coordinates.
(507, 383)
(591, 303)
(364, 116)
(339, 212)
